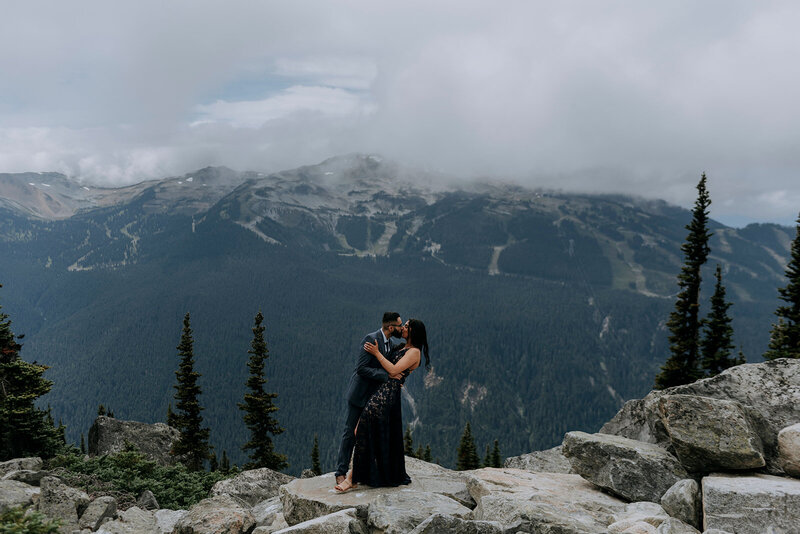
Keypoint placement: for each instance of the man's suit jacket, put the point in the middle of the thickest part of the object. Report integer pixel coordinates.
(368, 374)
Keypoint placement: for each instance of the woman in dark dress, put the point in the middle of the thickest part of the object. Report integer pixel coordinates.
(378, 457)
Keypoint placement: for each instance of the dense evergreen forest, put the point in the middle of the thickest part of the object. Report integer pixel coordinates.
(555, 340)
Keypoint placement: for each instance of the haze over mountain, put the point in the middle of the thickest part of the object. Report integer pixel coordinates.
(545, 310)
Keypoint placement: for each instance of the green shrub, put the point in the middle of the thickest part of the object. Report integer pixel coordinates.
(14, 521)
(127, 474)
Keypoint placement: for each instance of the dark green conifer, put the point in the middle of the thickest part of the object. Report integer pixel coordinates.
(427, 454)
(225, 463)
(487, 458)
(315, 466)
(683, 365)
(193, 443)
(213, 463)
(497, 460)
(171, 421)
(25, 430)
(101, 410)
(258, 407)
(408, 442)
(785, 336)
(717, 344)
(83, 444)
(467, 454)
(419, 452)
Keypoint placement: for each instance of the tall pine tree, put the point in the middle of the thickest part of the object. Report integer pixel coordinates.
(408, 442)
(193, 444)
(467, 454)
(785, 336)
(497, 460)
(717, 344)
(683, 365)
(258, 407)
(25, 430)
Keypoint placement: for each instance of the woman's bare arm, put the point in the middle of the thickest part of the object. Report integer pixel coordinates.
(409, 359)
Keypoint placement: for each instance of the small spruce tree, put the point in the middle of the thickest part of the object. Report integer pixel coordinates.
(213, 463)
(785, 335)
(467, 455)
(408, 442)
(717, 344)
(258, 407)
(192, 444)
(683, 365)
(83, 444)
(101, 410)
(426, 456)
(315, 467)
(497, 460)
(419, 452)
(171, 420)
(487, 458)
(225, 463)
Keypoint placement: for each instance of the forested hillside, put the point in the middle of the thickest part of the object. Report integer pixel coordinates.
(544, 311)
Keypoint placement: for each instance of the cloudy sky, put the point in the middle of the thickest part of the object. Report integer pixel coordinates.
(637, 97)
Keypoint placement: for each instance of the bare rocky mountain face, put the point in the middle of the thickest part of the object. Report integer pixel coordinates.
(699, 475)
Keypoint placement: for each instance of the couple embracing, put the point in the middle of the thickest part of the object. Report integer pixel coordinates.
(373, 432)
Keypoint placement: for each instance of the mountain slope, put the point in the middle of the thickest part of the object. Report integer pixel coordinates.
(545, 310)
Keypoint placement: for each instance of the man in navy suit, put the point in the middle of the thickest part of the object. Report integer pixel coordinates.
(367, 376)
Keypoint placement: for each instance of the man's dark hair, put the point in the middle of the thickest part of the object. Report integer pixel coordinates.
(390, 317)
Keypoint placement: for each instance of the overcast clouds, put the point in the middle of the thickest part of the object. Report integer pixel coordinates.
(632, 96)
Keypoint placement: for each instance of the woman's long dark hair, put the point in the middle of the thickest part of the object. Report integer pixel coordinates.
(418, 336)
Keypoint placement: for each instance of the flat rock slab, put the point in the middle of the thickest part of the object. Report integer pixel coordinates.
(541, 502)
(341, 522)
(634, 470)
(307, 498)
(252, 486)
(14, 493)
(400, 512)
(754, 504)
(445, 524)
(710, 434)
(547, 461)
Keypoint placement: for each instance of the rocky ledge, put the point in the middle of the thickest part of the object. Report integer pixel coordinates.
(718, 455)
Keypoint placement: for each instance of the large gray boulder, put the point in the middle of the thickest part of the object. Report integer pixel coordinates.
(108, 436)
(676, 526)
(307, 498)
(252, 486)
(682, 501)
(546, 461)
(14, 493)
(754, 504)
(638, 516)
(634, 470)
(216, 515)
(342, 522)
(710, 434)
(59, 501)
(768, 392)
(20, 464)
(446, 524)
(167, 519)
(401, 511)
(134, 520)
(97, 512)
(789, 449)
(27, 476)
(541, 502)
